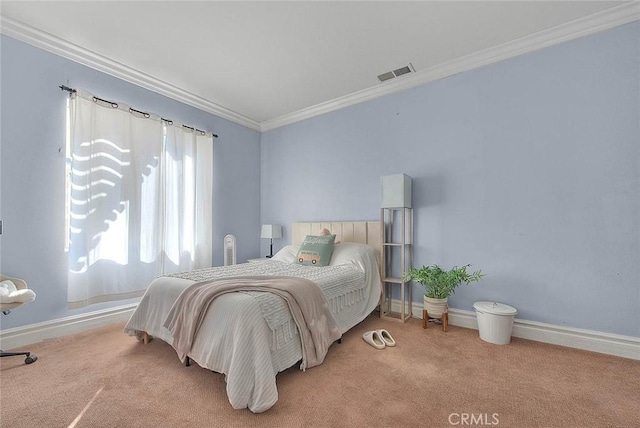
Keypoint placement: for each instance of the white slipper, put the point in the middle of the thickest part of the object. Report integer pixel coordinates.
(386, 338)
(373, 338)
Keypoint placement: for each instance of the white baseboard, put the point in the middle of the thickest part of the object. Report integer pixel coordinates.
(33, 333)
(588, 340)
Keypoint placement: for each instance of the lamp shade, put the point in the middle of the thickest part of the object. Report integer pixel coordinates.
(395, 191)
(273, 231)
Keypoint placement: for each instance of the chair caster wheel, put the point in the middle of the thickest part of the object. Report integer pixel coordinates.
(30, 359)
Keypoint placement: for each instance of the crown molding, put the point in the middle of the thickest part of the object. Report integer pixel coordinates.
(597, 22)
(76, 53)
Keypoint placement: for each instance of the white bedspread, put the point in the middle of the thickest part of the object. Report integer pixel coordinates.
(250, 336)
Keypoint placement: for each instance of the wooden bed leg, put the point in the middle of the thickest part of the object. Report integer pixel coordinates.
(425, 318)
(187, 362)
(445, 321)
(145, 337)
(339, 341)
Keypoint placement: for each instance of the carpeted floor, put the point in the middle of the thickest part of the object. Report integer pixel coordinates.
(104, 378)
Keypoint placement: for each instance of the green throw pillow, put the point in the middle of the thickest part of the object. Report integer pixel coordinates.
(316, 250)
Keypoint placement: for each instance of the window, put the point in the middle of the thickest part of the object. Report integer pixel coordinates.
(139, 200)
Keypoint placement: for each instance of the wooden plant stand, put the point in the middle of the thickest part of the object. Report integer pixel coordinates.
(444, 319)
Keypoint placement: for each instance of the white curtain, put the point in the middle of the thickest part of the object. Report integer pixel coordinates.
(188, 191)
(140, 201)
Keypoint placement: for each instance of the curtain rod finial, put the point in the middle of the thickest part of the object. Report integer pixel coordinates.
(68, 89)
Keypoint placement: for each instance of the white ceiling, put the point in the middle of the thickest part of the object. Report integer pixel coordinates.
(265, 60)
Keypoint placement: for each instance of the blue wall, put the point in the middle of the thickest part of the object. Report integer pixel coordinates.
(528, 169)
(32, 171)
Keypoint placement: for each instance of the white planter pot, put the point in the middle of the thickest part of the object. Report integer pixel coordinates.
(435, 307)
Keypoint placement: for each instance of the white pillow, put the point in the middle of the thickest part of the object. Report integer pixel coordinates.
(352, 253)
(346, 253)
(7, 287)
(9, 293)
(288, 254)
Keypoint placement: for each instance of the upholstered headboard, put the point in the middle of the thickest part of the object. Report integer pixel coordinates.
(365, 232)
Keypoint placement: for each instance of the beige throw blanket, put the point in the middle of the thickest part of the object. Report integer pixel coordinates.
(309, 309)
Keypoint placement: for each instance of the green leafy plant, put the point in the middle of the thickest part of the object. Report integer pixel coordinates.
(439, 283)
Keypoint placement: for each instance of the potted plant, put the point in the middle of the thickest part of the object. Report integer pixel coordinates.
(440, 284)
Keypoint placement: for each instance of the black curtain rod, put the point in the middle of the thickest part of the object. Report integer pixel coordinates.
(68, 89)
(145, 114)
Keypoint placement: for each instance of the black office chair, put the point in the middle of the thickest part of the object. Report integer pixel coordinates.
(12, 299)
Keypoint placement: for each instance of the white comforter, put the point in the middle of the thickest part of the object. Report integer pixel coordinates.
(250, 336)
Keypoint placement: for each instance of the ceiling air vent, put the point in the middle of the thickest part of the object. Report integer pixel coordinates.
(395, 73)
(401, 71)
(386, 76)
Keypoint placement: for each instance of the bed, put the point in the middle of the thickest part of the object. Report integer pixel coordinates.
(251, 336)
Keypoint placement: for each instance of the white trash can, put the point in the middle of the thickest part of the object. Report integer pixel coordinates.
(495, 321)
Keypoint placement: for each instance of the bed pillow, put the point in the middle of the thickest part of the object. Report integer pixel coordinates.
(351, 253)
(287, 254)
(316, 250)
